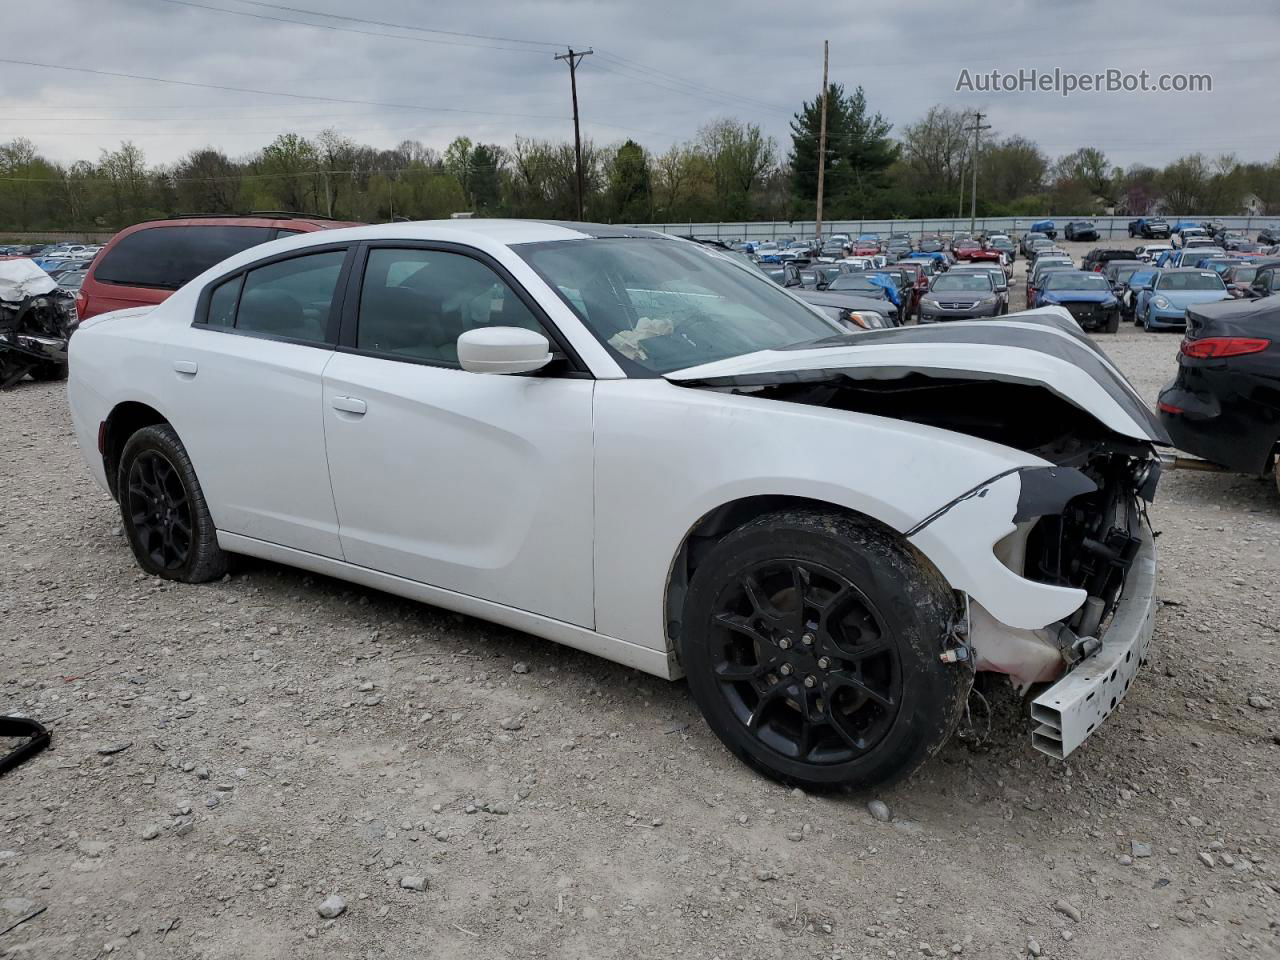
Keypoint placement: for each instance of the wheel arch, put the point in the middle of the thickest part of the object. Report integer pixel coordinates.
(718, 522)
(124, 420)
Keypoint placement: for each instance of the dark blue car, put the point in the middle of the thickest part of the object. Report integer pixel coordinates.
(1086, 295)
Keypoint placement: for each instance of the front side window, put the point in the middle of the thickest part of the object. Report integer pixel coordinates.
(660, 305)
(290, 298)
(415, 303)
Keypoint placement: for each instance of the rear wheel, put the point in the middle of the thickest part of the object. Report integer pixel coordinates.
(163, 509)
(811, 643)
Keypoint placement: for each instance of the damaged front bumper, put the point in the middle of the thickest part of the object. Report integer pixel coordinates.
(1070, 710)
(1083, 622)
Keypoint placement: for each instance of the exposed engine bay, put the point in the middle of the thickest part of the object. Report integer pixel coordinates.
(36, 321)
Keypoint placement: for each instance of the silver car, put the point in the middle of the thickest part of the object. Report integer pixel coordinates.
(960, 295)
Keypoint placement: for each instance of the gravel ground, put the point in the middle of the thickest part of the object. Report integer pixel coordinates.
(229, 758)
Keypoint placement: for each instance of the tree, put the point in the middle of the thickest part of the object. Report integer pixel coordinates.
(738, 155)
(484, 179)
(630, 198)
(207, 181)
(289, 165)
(1183, 184)
(1088, 168)
(1011, 168)
(858, 154)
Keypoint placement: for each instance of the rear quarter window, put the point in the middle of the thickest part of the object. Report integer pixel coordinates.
(167, 257)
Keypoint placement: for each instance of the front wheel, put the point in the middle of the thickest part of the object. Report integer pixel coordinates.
(163, 509)
(49, 372)
(812, 643)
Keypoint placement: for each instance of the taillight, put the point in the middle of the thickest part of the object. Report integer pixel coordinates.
(1214, 347)
(82, 303)
(1169, 408)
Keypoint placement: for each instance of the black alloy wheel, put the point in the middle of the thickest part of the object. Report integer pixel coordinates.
(804, 663)
(160, 510)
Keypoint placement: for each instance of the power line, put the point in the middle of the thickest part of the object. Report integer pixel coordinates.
(275, 93)
(366, 33)
(384, 23)
(688, 85)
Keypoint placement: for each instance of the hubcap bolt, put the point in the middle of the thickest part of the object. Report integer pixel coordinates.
(785, 669)
(807, 639)
(784, 643)
(810, 682)
(824, 662)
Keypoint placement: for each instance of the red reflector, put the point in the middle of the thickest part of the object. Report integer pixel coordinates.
(1212, 347)
(1169, 408)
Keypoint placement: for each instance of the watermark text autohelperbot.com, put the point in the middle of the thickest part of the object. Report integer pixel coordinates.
(1065, 83)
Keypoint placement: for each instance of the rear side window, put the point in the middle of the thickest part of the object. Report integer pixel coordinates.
(290, 298)
(168, 257)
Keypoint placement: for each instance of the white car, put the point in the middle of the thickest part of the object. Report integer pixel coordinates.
(1149, 251)
(642, 448)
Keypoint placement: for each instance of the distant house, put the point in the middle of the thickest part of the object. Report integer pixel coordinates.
(1252, 205)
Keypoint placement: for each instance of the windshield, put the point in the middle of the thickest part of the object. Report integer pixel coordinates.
(1068, 280)
(1191, 280)
(1244, 274)
(969, 283)
(659, 305)
(849, 281)
(1124, 272)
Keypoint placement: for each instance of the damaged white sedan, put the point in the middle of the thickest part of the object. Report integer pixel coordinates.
(634, 446)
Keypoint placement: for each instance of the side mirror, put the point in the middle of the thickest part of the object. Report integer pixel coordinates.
(503, 350)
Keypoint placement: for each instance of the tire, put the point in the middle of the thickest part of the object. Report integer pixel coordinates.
(177, 541)
(49, 372)
(890, 708)
(1113, 323)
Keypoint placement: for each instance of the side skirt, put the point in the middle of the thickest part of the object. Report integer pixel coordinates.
(656, 662)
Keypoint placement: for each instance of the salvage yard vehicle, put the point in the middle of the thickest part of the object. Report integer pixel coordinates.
(36, 319)
(1164, 306)
(1222, 405)
(960, 295)
(1086, 295)
(479, 414)
(1080, 230)
(1047, 227)
(143, 264)
(1149, 228)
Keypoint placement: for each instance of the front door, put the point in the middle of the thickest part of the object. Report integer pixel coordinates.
(480, 484)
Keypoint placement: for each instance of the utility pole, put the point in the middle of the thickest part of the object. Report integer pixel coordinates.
(574, 58)
(978, 117)
(822, 141)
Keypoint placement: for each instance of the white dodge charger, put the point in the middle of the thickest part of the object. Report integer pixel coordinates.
(642, 448)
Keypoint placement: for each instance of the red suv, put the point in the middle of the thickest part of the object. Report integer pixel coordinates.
(142, 265)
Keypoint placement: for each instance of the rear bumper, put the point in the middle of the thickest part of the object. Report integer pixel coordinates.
(1073, 708)
(1213, 421)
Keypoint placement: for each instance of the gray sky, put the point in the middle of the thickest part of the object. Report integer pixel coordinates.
(661, 70)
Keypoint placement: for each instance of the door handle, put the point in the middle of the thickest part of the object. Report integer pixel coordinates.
(350, 405)
(186, 367)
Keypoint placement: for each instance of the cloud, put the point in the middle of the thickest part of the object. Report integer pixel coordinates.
(661, 70)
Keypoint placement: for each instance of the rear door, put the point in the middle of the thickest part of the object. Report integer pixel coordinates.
(247, 397)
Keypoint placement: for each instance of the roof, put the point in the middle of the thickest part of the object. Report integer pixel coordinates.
(499, 231)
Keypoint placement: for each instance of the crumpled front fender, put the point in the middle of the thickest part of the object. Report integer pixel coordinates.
(960, 541)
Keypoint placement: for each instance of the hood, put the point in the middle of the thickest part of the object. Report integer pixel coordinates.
(841, 298)
(22, 278)
(1078, 296)
(1042, 348)
(1185, 298)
